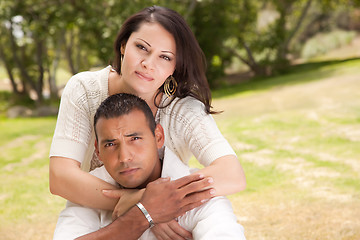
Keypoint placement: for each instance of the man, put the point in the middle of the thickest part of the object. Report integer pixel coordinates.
(128, 142)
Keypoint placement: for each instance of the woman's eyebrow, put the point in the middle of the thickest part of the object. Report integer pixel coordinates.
(144, 41)
(164, 51)
(168, 52)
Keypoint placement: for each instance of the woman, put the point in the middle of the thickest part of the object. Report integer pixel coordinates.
(158, 59)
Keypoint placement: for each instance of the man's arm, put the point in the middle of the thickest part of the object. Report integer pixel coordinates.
(164, 201)
(214, 220)
(130, 225)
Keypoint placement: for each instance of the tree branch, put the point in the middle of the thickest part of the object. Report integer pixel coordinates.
(298, 24)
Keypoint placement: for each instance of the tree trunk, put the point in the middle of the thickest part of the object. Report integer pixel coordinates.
(254, 67)
(39, 59)
(14, 85)
(25, 78)
(68, 52)
(190, 9)
(52, 72)
(284, 49)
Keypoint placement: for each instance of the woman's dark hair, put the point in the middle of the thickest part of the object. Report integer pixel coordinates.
(190, 59)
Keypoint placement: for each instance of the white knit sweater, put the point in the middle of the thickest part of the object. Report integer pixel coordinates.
(188, 129)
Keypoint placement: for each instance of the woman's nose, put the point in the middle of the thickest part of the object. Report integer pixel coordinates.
(148, 63)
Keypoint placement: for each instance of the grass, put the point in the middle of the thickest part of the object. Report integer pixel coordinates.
(298, 74)
(25, 200)
(297, 137)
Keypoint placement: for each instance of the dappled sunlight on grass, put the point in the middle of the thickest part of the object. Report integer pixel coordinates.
(298, 139)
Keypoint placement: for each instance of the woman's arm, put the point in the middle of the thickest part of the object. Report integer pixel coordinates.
(228, 175)
(69, 181)
(190, 130)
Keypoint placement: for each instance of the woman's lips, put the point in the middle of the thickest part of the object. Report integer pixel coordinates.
(144, 76)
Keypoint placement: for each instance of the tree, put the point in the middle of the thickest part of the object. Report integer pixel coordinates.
(25, 26)
(266, 48)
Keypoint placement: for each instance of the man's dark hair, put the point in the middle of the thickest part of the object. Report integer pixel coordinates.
(121, 104)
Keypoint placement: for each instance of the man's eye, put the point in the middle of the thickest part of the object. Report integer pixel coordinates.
(109, 144)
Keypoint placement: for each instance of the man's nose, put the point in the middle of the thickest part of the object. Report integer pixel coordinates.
(125, 154)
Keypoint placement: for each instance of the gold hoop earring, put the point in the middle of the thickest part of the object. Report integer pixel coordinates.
(170, 86)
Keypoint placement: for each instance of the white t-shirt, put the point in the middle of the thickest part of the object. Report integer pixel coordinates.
(213, 220)
(188, 129)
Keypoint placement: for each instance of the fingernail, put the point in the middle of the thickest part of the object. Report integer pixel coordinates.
(210, 180)
(212, 191)
(201, 176)
(105, 191)
(204, 200)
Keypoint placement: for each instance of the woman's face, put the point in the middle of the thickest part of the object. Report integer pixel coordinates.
(149, 58)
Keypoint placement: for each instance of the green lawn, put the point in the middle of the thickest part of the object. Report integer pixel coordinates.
(297, 136)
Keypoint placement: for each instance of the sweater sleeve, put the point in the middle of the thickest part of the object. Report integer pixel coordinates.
(190, 130)
(81, 96)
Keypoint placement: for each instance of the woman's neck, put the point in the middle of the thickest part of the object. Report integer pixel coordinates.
(116, 86)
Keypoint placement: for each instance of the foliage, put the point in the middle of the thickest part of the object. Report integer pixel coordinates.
(324, 42)
(37, 36)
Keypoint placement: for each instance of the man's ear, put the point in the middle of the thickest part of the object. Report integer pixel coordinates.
(159, 136)
(97, 148)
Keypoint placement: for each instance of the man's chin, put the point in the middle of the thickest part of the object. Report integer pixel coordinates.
(130, 185)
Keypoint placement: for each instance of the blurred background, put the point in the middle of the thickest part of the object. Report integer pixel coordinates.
(285, 72)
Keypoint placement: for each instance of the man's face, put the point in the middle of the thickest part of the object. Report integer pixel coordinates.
(128, 149)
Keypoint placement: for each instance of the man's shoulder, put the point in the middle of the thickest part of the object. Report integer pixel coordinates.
(173, 167)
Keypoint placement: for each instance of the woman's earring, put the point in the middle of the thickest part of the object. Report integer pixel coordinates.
(170, 86)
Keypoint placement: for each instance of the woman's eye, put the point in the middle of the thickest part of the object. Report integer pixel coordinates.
(135, 138)
(141, 47)
(166, 58)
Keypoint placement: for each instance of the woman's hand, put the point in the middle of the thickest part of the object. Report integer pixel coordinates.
(228, 175)
(127, 199)
(170, 230)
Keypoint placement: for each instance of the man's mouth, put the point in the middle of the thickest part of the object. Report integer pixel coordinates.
(128, 171)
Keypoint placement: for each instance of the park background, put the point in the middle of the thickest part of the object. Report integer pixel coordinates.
(285, 73)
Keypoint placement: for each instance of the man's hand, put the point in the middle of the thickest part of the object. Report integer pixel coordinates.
(170, 230)
(165, 200)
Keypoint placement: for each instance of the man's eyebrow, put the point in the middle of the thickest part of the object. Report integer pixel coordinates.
(107, 141)
(134, 134)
